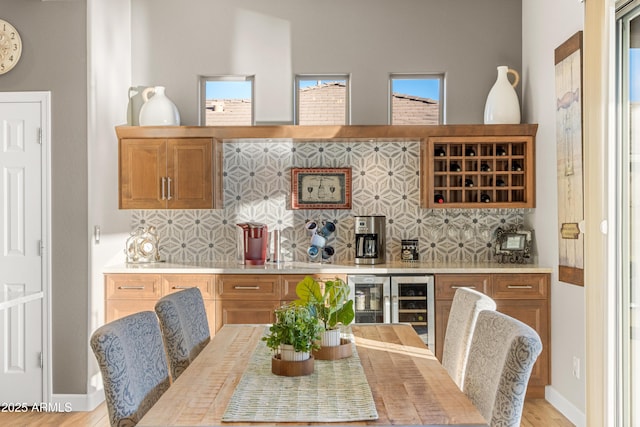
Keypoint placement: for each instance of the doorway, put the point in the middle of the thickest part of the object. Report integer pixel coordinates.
(24, 246)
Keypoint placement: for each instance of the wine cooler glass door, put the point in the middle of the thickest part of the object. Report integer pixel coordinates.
(371, 298)
(414, 304)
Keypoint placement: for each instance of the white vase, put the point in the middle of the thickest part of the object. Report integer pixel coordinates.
(158, 110)
(289, 354)
(330, 338)
(502, 105)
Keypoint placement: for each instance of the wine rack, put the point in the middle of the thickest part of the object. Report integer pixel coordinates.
(478, 171)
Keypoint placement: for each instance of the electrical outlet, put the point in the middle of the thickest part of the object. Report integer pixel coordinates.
(576, 367)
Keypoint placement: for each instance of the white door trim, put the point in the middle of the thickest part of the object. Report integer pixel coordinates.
(44, 99)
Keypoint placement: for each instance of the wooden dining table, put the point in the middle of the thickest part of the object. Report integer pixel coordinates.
(408, 384)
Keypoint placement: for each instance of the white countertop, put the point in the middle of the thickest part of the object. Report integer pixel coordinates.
(317, 268)
(17, 298)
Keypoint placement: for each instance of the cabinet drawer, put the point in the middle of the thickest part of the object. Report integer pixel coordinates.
(117, 309)
(249, 286)
(244, 312)
(520, 286)
(446, 284)
(290, 281)
(177, 282)
(132, 286)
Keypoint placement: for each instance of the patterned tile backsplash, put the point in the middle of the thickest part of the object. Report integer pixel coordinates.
(385, 182)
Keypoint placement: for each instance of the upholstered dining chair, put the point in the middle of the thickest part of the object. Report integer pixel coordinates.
(467, 304)
(184, 325)
(503, 351)
(134, 367)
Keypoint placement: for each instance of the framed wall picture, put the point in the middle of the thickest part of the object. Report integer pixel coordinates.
(321, 188)
(568, 77)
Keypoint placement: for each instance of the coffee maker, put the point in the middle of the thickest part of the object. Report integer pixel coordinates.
(370, 239)
(252, 243)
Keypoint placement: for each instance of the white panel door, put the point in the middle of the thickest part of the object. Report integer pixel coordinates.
(21, 344)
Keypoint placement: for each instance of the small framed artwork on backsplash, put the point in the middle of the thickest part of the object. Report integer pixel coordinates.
(321, 188)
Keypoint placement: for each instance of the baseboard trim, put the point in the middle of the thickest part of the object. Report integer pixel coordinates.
(565, 407)
(79, 402)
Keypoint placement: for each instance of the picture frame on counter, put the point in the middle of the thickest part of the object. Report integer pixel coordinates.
(513, 245)
(321, 188)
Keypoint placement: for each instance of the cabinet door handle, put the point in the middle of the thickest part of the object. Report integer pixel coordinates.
(163, 179)
(168, 188)
(247, 287)
(458, 287)
(519, 287)
(131, 287)
(182, 287)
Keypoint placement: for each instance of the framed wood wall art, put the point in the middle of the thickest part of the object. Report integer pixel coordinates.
(321, 188)
(568, 76)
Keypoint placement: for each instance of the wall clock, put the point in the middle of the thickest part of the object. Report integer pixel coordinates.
(10, 46)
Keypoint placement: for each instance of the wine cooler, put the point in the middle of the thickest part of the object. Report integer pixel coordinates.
(396, 299)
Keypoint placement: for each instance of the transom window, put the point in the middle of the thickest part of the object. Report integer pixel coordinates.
(226, 100)
(416, 99)
(322, 99)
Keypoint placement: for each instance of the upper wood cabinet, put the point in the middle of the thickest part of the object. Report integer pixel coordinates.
(492, 171)
(169, 173)
(461, 166)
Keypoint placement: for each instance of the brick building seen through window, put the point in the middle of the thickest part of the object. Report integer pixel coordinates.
(324, 105)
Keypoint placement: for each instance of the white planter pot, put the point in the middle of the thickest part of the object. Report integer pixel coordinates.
(330, 338)
(289, 354)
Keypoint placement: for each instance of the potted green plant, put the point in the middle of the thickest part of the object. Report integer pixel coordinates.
(294, 334)
(329, 301)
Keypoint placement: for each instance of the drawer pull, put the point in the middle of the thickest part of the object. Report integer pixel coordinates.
(519, 287)
(458, 287)
(182, 287)
(140, 288)
(247, 287)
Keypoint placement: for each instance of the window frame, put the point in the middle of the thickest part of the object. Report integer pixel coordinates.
(337, 77)
(202, 93)
(441, 77)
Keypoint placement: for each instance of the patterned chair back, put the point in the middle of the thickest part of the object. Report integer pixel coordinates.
(133, 363)
(503, 351)
(467, 304)
(185, 328)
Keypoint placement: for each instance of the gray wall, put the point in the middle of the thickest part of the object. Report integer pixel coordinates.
(54, 59)
(174, 42)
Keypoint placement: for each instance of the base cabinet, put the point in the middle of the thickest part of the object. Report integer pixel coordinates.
(290, 281)
(205, 282)
(131, 293)
(247, 298)
(522, 296)
(228, 298)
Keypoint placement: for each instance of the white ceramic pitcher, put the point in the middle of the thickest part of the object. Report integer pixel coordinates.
(502, 105)
(158, 110)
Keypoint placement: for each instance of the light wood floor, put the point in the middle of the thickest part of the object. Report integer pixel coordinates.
(536, 413)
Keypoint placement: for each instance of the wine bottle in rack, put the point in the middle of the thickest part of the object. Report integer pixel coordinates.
(470, 152)
(439, 152)
(438, 198)
(454, 167)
